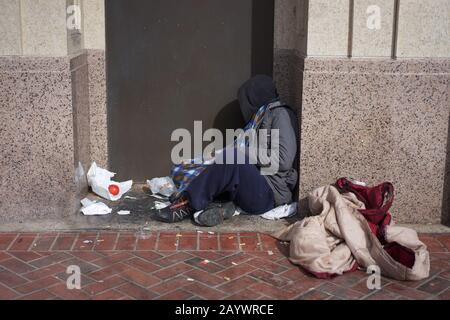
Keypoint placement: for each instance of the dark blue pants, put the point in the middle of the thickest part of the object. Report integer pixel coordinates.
(241, 183)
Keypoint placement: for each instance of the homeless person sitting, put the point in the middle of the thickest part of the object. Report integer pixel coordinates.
(212, 195)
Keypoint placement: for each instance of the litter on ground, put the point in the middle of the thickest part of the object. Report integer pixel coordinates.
(124, 213)
(100, 180)
(163, 186)
(282, 212)
(94, 208)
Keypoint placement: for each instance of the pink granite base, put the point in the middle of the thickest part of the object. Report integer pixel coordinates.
(379, 120)
(44, 136)
(98, 110)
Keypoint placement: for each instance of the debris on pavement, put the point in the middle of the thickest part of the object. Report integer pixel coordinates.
(160, 205)
(124, 213)
(94, 208)
(205, 262)
(100, 180)
(163, 186)
(282, 212)
(143, 234)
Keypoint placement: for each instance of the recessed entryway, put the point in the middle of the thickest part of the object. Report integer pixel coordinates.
(172, 62)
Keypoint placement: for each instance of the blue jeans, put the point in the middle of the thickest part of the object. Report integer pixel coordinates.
(240, 183)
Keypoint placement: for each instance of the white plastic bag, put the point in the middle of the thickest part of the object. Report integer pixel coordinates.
(100, 181)
(163, 186)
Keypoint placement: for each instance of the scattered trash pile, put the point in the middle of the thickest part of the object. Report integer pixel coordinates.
(102, 184)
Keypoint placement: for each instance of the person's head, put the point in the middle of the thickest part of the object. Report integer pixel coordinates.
(255, 93)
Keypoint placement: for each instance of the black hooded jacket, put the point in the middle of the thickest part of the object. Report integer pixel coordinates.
(254, 94)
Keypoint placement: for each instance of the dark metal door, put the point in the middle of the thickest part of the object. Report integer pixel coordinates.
(172, 62)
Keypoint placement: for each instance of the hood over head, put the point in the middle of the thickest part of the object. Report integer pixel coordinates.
(255, 93)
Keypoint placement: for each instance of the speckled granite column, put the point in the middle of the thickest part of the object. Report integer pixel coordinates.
(284, 74)
(98, 111)
(43, 136)
(378, 120)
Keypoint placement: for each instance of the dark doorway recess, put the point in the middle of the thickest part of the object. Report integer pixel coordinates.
(172, 62)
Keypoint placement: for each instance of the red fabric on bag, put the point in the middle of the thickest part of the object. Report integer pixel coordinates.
(329, 276)
(401, 254)
(378, 201)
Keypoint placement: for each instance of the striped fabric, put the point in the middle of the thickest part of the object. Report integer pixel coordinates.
(183, 174)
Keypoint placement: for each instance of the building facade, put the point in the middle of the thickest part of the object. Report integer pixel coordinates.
(370, 80)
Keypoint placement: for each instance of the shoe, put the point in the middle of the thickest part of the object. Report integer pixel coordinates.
(176, 212)
(215, 214)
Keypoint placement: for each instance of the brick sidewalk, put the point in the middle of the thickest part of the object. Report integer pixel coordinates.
(245, 266)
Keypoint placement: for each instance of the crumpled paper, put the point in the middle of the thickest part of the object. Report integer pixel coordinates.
(100, 179)
(282, 212)
(94, 208)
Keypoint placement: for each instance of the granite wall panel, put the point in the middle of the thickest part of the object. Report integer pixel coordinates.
(39, 160)
(378, 120)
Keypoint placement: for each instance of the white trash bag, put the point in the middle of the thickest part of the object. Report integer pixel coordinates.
(100, 181)
(163, 186)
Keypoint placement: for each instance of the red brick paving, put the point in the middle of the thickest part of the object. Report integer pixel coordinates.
(230, 266)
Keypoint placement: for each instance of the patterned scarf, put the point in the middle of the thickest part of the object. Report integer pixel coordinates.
(183, 174)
